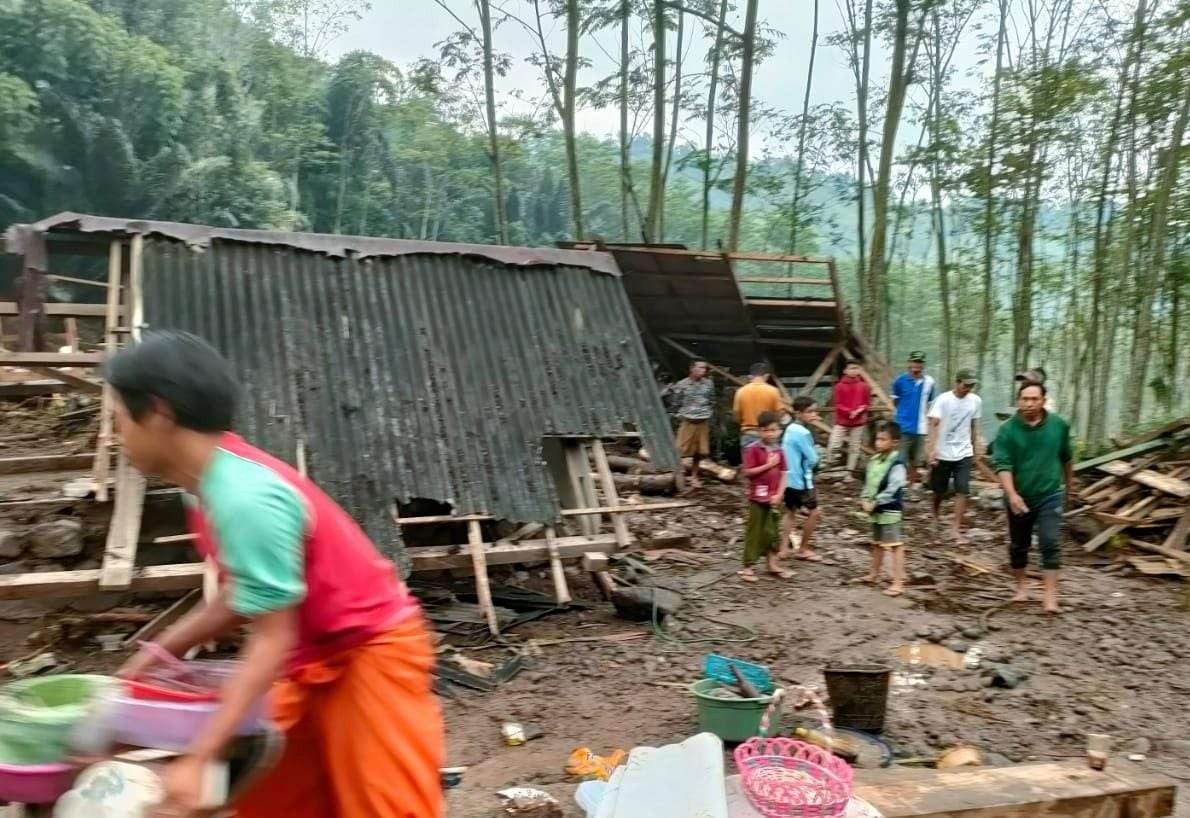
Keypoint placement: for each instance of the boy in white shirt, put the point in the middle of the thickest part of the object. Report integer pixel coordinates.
(950, 448)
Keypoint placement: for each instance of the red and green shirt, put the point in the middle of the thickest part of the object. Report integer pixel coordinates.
(280, 542)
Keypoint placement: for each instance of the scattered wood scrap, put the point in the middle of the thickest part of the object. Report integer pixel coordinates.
(1138, 496)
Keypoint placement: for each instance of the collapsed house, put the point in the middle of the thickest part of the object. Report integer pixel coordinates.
(477, 383)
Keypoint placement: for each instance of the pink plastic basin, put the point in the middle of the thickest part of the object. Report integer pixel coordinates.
(164, 725)
(35, 783)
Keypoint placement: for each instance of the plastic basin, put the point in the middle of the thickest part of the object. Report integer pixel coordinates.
(35, 783)
(37, 716)
(165, 725)
(732, 719)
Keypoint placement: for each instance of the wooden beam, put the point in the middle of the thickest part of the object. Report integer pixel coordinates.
(81, 384)
(1172, 553)
(72, 280)
(1121, 454)
(34, 359)
(789, 302)
(1147, 477)
(56, 310)
(561, 591)
(103, 452)
(593, 511)
(440, 557)
(826, 282)
(1177, 537)
(824, 367)
(619, 524)
(45, 462)
(736, 379)
(1066, 788)
(1105, 536)
(483, 590)
(119, 553)
(181, 577)
(714, 256)
(164, 619)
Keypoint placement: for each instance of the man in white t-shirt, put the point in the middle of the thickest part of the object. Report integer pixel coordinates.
(950, 448)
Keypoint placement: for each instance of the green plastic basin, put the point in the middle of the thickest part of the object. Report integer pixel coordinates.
(733, 719)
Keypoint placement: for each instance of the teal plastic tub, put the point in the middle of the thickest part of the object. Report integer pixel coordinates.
(37, 716)
(733, 719)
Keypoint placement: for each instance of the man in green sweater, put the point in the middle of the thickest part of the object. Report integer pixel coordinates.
(1033, 458)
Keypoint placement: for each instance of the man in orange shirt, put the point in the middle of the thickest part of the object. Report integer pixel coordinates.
(752, 399)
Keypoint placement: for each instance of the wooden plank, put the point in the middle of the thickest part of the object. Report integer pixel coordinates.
(164, 619)
(440, 557)
(483, 590)
(619, 524)
(103, 451)
(790, 302)
(1172, 553)
(1068, 788)
(561, 591)
(134, 303)
(31, 359)
(45, 462)
(1121, 454)
(718, 370)
(667, 505)
(1105, 536)
(58, 310)
(826, 282)
(81, 384)
(1148, 477)
(818, 374)
(1177, 537)
(90, 282)
(181, 577)
(119, 553)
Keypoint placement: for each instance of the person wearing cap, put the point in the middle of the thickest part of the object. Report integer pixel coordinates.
(1036, 375)
(1033, 458)
(752, 399)
(912, 392)
(950, 446)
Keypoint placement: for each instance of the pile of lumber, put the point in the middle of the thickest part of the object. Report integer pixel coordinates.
(1139, 496)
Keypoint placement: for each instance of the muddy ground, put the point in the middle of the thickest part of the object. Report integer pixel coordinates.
(1115, 662)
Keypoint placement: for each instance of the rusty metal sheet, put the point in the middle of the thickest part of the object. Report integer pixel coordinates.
(22, 240)
(416, 375)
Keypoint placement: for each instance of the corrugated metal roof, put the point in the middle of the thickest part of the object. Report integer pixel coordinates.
(29, 240)
(415, 376)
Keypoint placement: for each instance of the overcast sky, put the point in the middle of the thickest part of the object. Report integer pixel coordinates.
(406, 30)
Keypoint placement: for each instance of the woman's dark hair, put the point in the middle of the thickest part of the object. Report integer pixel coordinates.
(180, 370)
(766, 419)
(893, 430)
(1026, 384)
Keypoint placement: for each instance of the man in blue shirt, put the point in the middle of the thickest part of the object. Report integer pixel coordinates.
(800, 459)
(912, 392)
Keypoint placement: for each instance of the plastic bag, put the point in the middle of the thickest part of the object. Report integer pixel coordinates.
(584, 763)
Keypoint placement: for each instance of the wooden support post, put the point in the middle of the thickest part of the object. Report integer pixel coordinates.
(619, 524)
(482, 588)
(561, 591)
(824, 367)
(72, 333)
(103, 456)
(579, 477)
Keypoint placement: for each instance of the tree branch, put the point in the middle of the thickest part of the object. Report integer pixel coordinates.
(670, 4)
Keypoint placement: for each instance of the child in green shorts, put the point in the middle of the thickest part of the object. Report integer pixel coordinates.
(883, 500)
(764, 466)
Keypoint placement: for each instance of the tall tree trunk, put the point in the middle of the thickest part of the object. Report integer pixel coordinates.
(709, 143)
(989, 214)
(673, 122)
(625, 16)
(1022, 324)
(795, 206)
(569, 93)
(1149, 274)
(656, 182)
(899, 83)
(740, 182)
(489, 88)
(936, 198)
(861, 163)
(1099, 339)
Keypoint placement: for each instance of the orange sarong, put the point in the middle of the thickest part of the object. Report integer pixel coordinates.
(363, 735)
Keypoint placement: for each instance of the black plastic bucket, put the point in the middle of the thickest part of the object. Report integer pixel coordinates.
(859, 695)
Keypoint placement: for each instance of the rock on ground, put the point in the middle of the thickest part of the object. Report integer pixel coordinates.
(56, 539)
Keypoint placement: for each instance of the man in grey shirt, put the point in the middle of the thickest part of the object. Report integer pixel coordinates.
(695, 396)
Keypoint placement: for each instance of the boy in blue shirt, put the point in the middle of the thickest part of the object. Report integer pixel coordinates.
(912, 392)
(800, 459)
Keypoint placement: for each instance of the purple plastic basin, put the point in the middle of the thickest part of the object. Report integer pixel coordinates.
(35, 783)
(166, 725)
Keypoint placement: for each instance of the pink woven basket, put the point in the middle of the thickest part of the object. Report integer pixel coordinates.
(787, 778)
